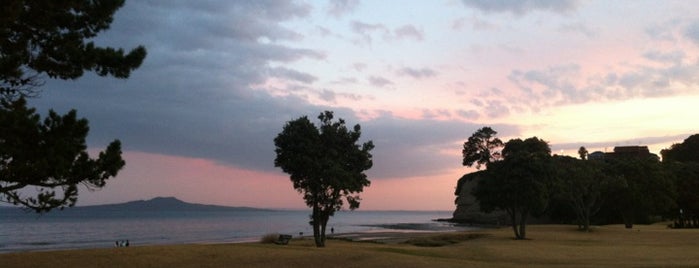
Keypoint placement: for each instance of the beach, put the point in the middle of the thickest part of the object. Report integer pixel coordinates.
(548, 246)
(77, 229)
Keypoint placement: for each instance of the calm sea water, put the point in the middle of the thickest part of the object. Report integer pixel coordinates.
(29, 232)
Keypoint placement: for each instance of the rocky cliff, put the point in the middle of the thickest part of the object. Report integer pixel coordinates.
(467, 207)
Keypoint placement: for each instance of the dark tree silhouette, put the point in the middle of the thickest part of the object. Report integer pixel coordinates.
(582, 185)
(48, 155)
(519, 184)
(582, 152)
(687, 151)
(686, 176)
(682, 160)
(326, 164)
(482, 148)
(53, 38)
(647, 189)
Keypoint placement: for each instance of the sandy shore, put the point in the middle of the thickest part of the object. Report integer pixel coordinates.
(549, 246)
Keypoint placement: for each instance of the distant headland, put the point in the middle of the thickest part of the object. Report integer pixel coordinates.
(155, 204)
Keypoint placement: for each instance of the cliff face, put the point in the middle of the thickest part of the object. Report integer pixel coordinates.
(467, 207)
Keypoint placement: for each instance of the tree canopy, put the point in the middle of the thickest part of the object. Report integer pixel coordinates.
(582, 152)
(582, 185)
(54, 38)
(682, 160)
(646, 189)
(613, 187)
(519, 184)
(326, 164)
(482, 148)
(687, 151)
(48, 155)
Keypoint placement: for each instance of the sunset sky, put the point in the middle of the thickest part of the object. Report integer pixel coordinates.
(197, 120)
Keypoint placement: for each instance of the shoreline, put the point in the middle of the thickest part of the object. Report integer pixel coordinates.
(62, 231)
(388, 236)
(385, 235)
(546, 246)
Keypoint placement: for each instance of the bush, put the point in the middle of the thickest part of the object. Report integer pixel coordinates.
(269, 238)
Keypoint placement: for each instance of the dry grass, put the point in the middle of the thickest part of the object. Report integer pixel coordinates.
(443, 239)
(550, 245)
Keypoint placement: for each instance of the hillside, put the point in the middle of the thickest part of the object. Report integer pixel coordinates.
(165, 204)
(156, 204)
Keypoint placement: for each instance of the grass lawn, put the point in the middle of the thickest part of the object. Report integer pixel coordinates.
(549, 246)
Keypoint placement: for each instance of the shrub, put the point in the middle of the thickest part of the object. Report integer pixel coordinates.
(269, 238)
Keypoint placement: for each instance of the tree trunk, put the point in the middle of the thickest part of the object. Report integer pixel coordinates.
(324, 222)
(523, 225)
(519, 224)
(580, 218)
(513, 221)
(628, 219)
(316, 222)
(586, 219)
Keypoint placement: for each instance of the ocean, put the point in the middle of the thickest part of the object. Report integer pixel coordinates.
(58, 230)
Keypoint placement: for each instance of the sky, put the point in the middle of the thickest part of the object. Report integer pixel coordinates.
(197, 120)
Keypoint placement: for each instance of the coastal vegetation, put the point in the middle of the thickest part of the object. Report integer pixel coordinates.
(631, 185)
(54, 39)
(269, 238)
(326, 164)
(520, 184)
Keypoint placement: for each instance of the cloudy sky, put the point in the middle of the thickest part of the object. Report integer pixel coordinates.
(198, 119)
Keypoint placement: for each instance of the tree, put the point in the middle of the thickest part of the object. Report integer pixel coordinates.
(686, 176)
(482, 148)
(53, 38)
(48, 155)
(646, 189)
(326, 165)
(582, 185)
(519, 184)
(687, 151)
(582, 152)
(682, 160)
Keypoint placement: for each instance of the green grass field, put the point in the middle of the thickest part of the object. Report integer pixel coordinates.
(549, 246)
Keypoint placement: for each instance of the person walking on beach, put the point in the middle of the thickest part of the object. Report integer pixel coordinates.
(332, 230)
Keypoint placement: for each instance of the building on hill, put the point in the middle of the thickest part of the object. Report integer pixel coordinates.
(623, 152)
(597, 155)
